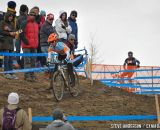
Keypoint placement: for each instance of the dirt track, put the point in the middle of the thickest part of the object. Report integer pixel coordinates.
(93, 100)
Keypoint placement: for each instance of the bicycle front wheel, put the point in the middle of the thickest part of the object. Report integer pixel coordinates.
(74, 90)
(57, 85)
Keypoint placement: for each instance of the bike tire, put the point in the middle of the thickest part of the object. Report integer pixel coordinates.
(57, 84)
(74, 91)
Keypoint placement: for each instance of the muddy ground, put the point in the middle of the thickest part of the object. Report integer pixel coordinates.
(92, 100)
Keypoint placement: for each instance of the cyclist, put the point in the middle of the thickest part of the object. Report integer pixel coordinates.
(130, 63)
(63, 54)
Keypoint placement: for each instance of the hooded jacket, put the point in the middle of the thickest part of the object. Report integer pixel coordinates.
(31, 33)
(6, 42)
(60, 125)
(62, 33)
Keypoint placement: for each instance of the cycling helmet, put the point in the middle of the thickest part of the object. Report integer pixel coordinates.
(130, 53)
(52, 37)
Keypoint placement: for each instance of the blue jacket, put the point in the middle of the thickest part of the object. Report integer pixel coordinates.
(74, 27)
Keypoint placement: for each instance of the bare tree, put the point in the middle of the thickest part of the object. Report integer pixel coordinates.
(94, 50)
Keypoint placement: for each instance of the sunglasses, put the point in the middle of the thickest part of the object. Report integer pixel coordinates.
(74, 15)
(51, 19)
(72, 39)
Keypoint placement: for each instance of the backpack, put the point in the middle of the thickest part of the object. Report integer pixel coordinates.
(9, 118)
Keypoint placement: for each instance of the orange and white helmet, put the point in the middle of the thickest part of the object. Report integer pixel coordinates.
(52, 37)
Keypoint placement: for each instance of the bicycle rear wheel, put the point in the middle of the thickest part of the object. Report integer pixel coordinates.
(74, 90)
(57, 85)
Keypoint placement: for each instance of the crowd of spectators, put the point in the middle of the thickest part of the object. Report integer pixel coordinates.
(28, 33)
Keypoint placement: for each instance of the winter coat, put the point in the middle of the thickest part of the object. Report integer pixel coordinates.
(74, 27)
(45, 31)
(31, 31)
(59, 125)
(21, 118)
(62, 32)
(21, 20)
(6, 40)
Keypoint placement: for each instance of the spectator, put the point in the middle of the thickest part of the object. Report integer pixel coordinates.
(43, 17)
(40, 21)
(1, 36)
(6, 44)
(30, 44)
(76, 59)
(21, 119)
(11, 8)
(73, 24)
(59, 123)
(45, 31)
(20, 21)
(62, 26)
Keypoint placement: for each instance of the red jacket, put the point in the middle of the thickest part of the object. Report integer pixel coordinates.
(31, 33)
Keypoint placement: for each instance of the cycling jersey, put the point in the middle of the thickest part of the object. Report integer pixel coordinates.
(59, 48)
(131, 62)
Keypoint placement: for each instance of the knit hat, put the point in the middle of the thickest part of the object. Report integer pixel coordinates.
(57, 114)
(73, 12)
(12, 4)
(23, 8)
(13, 98)
(43, 13)
(71, 36)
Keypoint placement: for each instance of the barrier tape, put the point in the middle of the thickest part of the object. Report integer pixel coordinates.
(29, 54)
(27, 70)
(148, 92)
(38, 69)
(97, 118)
(121, 85)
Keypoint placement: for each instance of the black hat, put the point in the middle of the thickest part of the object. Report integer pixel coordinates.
(23, 8)
(130, 52)
(74, 13)
(12, 4)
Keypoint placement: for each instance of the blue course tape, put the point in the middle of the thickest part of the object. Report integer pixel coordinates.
(121, 85)
(33, 70)
(148, 77)
(150, 88)
(149, 92)
(23, 54)
(27, 70)
(117, 79)
(98, 118)
(106, 72)
(29, 54)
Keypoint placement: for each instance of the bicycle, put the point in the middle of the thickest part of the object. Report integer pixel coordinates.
(61, 81)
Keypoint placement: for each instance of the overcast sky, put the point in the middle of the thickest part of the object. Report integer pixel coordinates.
(118, 26)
